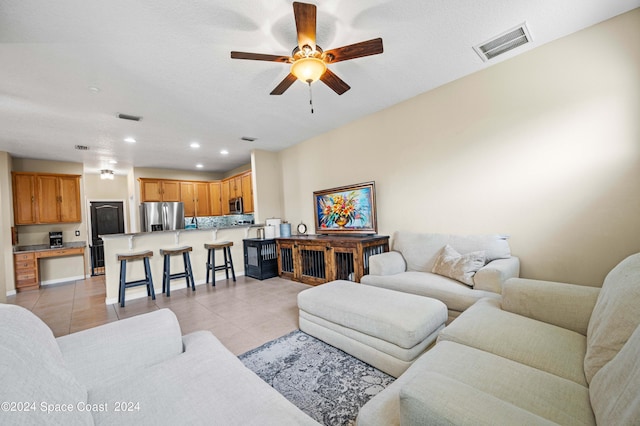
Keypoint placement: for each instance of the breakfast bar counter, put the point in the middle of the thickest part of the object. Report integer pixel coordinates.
(115, 244)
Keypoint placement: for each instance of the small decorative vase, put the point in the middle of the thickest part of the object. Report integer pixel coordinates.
(342, 221)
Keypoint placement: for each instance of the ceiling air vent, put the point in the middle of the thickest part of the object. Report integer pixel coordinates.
(248, 139)
(504, 42)
(82, 148)
(129, 117)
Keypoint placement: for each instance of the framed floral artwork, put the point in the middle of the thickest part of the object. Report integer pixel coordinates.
(346, 209)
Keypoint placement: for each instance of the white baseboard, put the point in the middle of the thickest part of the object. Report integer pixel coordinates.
(62, 280)
(11, 293)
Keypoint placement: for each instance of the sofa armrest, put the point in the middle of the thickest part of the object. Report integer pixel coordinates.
(565, 305)
(492, 276)
(388, 263)
(435, 399)
(117, 349)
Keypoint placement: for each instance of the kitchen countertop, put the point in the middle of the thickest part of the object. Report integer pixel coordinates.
(215, 228)
(46, 247)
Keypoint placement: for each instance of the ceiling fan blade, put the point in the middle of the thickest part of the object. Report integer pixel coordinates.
(305, 15)
(335, 82)
(284, 85)
(260, 57)
(352, 51)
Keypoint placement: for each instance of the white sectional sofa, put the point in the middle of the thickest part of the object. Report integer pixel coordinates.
(137, 371)
(546, 353)
(408, 267)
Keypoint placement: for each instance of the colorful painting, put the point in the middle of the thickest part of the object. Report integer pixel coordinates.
(347, 209)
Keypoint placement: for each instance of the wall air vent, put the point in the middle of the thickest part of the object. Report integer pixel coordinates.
(82, 148)
(129, 117)
(504, 42)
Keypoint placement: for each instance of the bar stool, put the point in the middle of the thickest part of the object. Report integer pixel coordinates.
(148, 281)
(167, 276)
(211, 260)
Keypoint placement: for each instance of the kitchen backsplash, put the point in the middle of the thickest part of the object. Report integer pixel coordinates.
(206, 222)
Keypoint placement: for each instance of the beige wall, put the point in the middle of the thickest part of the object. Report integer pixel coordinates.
(6, 222)
(267, 185)
(544, 147)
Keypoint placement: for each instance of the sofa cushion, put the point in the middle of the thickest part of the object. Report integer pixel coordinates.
(615, 388)
(454, 294)
(421, 250)
(460, 267)
(543, 346)
(205, 385)
(615, 315)
(32, 370)
(538, 392)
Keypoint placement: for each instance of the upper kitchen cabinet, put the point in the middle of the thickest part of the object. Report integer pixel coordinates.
(247, 192)
(159, 190)
(215, 198)
(46, 198)
(24, 198)
(195, 196)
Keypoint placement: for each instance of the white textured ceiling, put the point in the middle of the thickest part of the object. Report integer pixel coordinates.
(168, 61)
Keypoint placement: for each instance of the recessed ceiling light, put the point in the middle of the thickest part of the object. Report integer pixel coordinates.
(113, 162)
(130, 140)
(194, 145)
(199, 166)
(224, 152)
(94, 89)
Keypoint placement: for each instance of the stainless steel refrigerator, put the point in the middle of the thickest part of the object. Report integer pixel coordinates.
(161, 216)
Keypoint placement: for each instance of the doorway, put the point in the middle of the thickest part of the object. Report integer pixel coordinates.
(107, 217)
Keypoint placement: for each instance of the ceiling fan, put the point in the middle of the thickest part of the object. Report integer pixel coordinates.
(308, 60)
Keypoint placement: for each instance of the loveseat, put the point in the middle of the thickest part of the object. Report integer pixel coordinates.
(137, 371)
(546, 353)
(476, 267)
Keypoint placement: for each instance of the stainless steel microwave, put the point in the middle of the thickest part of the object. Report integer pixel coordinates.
(235, 205)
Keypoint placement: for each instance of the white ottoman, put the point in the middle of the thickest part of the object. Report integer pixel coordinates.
(385, 328)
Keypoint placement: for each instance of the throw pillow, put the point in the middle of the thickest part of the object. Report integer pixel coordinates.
(460, 267)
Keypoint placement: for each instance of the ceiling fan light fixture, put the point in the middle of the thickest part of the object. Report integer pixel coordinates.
(308, 70)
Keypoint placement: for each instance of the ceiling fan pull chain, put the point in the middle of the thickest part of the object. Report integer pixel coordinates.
(310, 97)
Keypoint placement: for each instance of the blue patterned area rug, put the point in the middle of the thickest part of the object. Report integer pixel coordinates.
(324, 382)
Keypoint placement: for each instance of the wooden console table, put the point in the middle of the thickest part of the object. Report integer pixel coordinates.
(317, 259)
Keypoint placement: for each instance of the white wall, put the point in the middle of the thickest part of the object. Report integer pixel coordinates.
(267, 185)
(544, 147)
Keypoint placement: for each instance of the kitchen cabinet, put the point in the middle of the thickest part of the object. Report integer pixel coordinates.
(46, 198)
(224, 188)
(195, 196)
(159, 190)
(25, 269)
(215, 198)
(247, 192)
(24, 199)
(200, 198)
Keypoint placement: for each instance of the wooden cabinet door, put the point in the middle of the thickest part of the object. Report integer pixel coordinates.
(48, 199)
(170, 190)
(225, 189)
(247, 193)
(24, 199)
(187, 196)
(203, 205)
(150, 190)
(215, 198)
(69, 199)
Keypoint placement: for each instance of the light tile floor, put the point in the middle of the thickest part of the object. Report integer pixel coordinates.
(243, 315)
